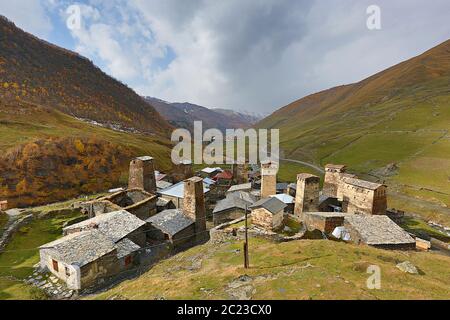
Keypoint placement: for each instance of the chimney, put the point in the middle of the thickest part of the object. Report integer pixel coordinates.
(142, 175)
(269, 179)
(307, 197)
(194, 204)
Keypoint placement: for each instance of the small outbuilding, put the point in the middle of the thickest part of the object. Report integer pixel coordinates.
(268, 213)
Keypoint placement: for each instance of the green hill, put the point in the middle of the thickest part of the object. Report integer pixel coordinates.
(391, 127)
(307, 269)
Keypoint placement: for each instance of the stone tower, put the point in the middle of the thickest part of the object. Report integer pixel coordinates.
(268, 179)
(333, 175)
(182, 171)
(194, 205)
(142, 174)
(307, 197)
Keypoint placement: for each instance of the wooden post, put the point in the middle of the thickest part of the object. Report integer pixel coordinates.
(246, 260)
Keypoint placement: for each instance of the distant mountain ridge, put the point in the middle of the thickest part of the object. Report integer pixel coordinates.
(183, 115)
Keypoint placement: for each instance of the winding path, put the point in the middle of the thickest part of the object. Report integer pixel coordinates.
(317, 168)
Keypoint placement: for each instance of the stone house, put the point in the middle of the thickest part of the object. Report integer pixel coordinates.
(363, 197)
(94, 250)
(187, 225)
(209, 172)
(288, 200)
(232, 207)
(268, 213)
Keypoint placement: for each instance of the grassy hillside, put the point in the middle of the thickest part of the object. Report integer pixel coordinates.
(49, 156)
(307, 269)
(55, 108)
(400, 116)
(38, 72)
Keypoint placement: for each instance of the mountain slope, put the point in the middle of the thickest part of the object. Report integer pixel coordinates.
(183, 115)
(48, 152)
(35, 71)
(400, 115)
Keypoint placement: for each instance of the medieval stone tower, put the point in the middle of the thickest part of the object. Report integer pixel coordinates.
(240, 173)
(333, 175)
(307, 197)
(182, 171)
(268, 179)
(142, 174)
(194, 205)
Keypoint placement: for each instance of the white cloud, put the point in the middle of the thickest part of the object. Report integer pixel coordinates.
(29, 15)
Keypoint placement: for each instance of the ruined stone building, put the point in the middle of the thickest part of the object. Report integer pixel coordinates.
(136, 201)
(307, 194)
(186, 226)
(268, 179)
(268, 214)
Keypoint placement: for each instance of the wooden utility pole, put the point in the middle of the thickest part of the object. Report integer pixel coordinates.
(246, 261)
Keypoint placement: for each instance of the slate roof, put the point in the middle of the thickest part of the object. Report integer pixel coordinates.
(238, 199)
(161, 184)
(240, 187)
(117, 225)
(285, 198)
(292, 186)
(81, 248)
(125, 247)
(362, 183)
(171, 221)
(378, 230)
(273, 205)
(282, 186)
(177, 190)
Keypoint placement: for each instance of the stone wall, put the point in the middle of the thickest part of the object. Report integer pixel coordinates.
(324, 222)
(266, 220)
(228, 215)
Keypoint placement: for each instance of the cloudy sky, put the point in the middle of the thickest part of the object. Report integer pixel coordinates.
(253, 55)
